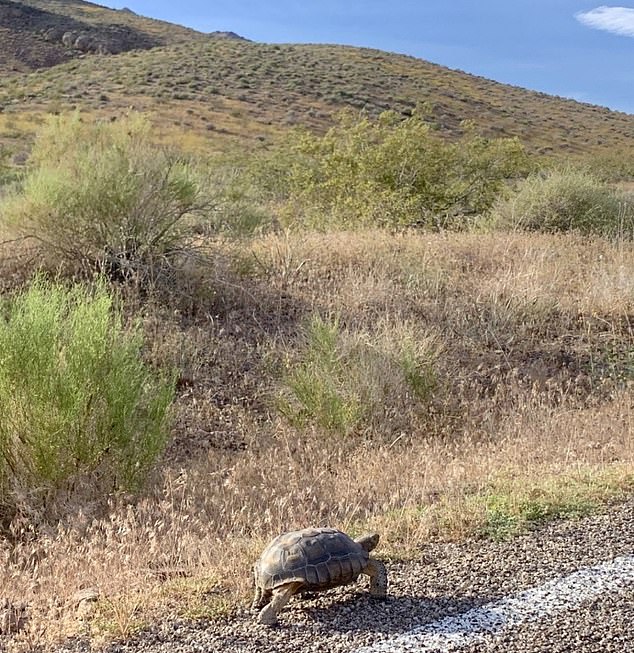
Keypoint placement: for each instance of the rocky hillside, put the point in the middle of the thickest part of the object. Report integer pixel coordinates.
(43, 33)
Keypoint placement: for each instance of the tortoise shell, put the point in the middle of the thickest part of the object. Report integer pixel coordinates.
(319, 558)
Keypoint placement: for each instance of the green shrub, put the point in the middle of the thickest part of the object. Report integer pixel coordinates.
(76, 399)
(8, 173)
(318, 385)
(239, 208)
(347, 381)
(100, 191)
(388, 172)
(567, 200)
(614, 165)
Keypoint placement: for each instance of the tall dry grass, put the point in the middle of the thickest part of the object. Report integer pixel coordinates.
(532, 419)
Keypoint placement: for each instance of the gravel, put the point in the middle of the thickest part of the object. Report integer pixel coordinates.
(446, 580)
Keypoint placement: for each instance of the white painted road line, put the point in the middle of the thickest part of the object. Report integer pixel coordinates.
(479, 624)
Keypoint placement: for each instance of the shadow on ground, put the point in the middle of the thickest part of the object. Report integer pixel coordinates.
(392, 616)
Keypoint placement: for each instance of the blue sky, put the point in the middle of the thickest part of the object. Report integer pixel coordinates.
(571, 48)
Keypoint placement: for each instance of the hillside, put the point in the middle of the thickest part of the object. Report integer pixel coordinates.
(233, 88)
(62, 54)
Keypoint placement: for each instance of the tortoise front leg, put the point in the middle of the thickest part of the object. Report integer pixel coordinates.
(378, 577)
(281, 596)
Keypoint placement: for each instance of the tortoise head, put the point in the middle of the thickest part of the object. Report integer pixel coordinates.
(368, 541)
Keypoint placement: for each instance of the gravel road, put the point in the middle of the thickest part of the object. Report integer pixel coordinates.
(447, 580)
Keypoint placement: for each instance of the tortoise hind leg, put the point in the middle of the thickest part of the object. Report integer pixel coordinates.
(281, 596)
(378, 577)
(261, 598)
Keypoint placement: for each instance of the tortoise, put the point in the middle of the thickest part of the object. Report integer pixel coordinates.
(313, 559)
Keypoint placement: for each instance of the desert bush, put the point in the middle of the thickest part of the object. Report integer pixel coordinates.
(350, 381)
(388, 172)
(4, 165)
(240, 207)
(76, 399)
(99, 193)
(567, 200)
(9, 173)
(614, 165)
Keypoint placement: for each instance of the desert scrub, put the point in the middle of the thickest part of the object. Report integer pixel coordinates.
(100, 193)
(377, 381)
(240, 209)
(567, 200)
(77, 402)
(389, 171)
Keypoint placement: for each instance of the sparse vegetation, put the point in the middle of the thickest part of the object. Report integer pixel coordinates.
(280, 94)
(33, 33)
(525, 415)
(516, 507)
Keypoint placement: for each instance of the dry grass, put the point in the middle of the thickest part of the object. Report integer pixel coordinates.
(532, 418)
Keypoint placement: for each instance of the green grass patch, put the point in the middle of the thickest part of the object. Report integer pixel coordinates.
(347, 381)
(509, 508)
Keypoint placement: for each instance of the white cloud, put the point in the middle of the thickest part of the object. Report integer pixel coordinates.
(618, 20)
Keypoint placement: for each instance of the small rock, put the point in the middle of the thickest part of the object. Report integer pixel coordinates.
(84, 601)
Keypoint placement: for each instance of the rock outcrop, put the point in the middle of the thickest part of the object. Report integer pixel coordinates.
(110, 39)
(227, 35)
(32, 37)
